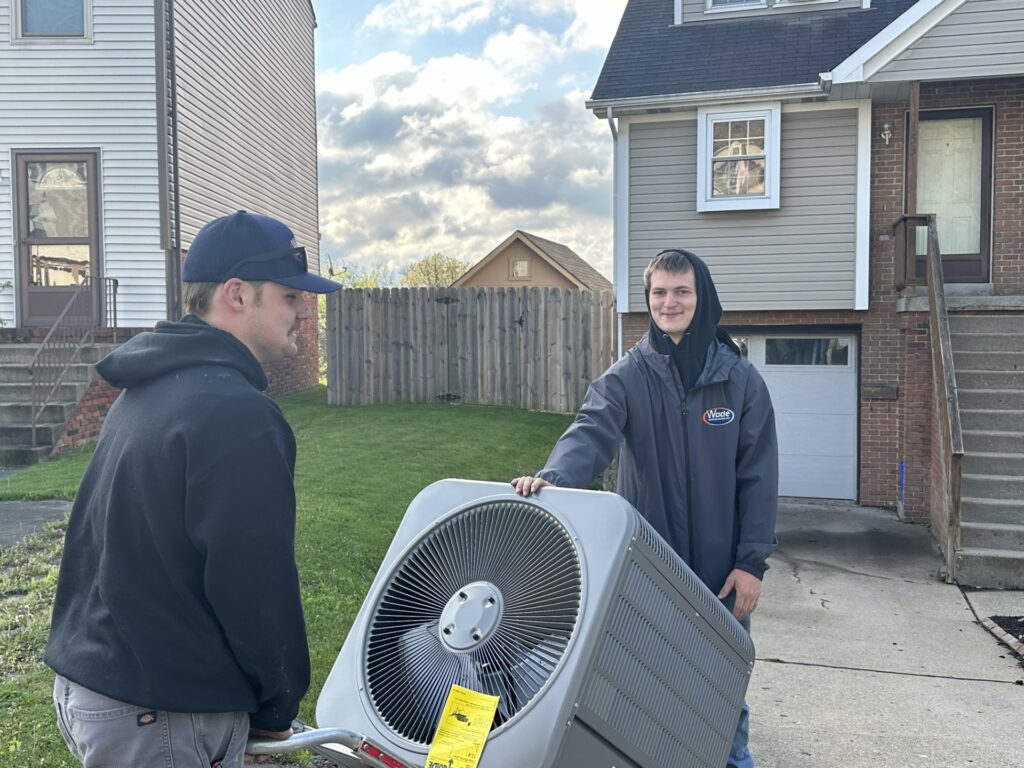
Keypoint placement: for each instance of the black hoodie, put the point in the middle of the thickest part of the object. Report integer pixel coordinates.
(178, 588)
(691, 353)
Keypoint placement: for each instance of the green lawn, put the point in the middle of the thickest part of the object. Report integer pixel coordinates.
(357, 471)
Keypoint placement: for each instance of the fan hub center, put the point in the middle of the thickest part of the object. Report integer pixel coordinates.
(471, 616)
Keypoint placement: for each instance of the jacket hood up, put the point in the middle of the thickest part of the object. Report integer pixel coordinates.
(171, 347)
(691, 353)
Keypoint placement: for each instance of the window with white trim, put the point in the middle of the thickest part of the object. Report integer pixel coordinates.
(714, 5)
(738, 157)
(52, 18)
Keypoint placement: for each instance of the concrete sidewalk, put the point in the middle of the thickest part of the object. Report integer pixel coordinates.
(867, 660)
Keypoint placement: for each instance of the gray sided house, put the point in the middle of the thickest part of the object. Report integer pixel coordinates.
(826, 157)
(125, 125)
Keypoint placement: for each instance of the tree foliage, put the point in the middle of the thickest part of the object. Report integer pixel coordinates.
(434, 271)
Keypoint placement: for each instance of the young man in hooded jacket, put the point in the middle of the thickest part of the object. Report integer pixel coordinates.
(699, 457)
(177, 625)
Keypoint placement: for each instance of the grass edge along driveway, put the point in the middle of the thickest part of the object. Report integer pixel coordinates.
(358, 468)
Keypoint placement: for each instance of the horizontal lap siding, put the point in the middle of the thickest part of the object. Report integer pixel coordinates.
(979, 39)
(247, 113)
(99, 95)
(801, 256)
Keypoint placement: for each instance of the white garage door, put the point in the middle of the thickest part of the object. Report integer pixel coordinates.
(813, 384)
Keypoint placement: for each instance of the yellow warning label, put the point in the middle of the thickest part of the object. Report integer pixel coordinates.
(462, 730)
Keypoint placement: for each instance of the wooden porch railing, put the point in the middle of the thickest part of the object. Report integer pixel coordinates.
(70, 332)
(946, 404)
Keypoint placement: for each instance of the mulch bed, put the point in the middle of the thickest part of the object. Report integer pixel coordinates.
(1012, 625)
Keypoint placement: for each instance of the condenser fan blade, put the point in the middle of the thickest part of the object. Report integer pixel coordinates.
(488, 599)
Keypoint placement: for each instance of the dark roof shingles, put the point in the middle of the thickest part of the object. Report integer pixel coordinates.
(650, 56)
(571, 262)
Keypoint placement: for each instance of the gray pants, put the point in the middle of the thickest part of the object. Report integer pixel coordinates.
(102, 732)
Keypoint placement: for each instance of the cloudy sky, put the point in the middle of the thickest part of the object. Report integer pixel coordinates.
(447, 124)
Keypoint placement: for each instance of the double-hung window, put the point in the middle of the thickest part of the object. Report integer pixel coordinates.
(738, 157)
(52, 19)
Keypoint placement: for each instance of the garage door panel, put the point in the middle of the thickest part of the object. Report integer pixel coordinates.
(820, 477)
(815, 434)
(815, 414)
(812, 392)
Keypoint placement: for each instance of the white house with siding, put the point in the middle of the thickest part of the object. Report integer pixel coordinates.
(125, 125)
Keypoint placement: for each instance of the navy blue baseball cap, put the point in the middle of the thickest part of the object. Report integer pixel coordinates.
(251, 246)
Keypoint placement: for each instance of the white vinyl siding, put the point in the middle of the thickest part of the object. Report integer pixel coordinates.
(801, 256)
(982, 38)
(96, 96)
(247, 114)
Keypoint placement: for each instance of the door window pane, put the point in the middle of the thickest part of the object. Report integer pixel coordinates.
(825, 351)
(58, 199)
(52, 18)
(59, 264)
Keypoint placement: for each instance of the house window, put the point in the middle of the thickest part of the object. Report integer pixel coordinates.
(52, 18)
(715, 5)
(833, 351)
(519, 269)
(738, 156)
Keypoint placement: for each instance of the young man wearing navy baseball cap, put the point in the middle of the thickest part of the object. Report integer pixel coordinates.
(177, 627)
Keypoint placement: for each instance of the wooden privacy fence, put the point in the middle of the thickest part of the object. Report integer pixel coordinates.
(534, 348)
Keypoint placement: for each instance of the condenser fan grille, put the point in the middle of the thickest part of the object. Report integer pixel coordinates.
(487, 600)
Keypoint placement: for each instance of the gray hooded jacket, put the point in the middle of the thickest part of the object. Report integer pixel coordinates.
(701, 466)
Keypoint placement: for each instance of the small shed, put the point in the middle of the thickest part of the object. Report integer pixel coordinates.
(527, 261)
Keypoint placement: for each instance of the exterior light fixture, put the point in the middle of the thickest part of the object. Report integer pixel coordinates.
(886, 132)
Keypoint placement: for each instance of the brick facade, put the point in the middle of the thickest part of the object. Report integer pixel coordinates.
(292, 375)
(894, 345)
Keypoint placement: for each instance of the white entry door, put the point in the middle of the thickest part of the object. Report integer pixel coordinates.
(813, 383)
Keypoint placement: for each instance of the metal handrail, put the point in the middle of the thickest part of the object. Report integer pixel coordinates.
(72, 329)
(947, 402)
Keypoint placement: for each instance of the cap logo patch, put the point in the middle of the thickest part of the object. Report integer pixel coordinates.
(718, 417)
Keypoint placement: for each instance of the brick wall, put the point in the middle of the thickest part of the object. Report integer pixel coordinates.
(292, 375)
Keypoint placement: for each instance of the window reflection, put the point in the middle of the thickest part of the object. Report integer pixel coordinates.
(59, 264)
(826, 351)
(58, 199)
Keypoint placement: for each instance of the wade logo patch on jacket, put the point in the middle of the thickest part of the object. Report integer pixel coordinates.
(718, 417)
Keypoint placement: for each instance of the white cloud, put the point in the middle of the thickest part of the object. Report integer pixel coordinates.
(423, 158)
(592, 26)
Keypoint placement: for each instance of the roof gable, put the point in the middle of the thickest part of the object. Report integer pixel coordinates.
(651, 56)
(560, 257)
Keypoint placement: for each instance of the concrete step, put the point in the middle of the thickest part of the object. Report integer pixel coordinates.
(992, 536)
(1000, 322)
(990, 568)
(994, 441)
(23, 353)
(16, 373)
(979, 463)
(991, 420)
(21, 413)
(990, 486)
(22, 456)
(20, 435)
(1002, 511)
(991, 399)
(988, 342)
(988, 361)
(22, 393)
(990, 379)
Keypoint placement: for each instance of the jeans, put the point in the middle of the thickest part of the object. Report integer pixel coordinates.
(739, 753)
(102, 732)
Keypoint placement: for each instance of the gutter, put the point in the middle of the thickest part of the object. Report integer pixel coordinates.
(640, 104)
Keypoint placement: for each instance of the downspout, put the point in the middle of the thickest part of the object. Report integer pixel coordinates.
(615, 202)
(174, 260)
